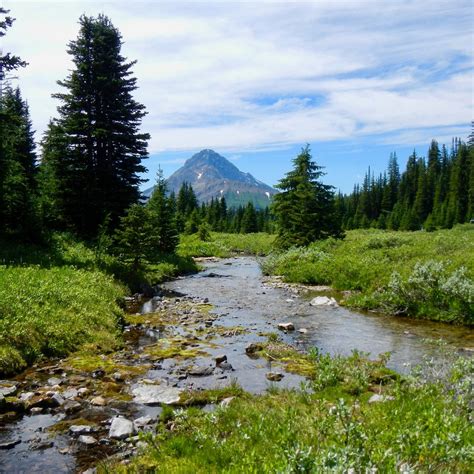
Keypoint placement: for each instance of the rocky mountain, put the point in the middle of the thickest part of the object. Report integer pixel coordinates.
(211, 176)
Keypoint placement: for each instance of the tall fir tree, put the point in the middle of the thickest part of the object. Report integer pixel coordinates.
(100, 121)
(163, 218)
(305, 208)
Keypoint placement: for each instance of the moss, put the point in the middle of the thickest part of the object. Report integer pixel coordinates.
(64, 425)
(87, 362)
(174, 348)
(204, 397)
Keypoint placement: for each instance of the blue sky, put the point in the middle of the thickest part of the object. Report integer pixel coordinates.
(257, 80)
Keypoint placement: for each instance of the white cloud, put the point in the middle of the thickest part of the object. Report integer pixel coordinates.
(238, 75)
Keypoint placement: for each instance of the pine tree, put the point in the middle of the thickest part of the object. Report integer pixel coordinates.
(100, 121)
(160, 207)
(305, 208)
(8, 62)
(18, 197)
(249, 222)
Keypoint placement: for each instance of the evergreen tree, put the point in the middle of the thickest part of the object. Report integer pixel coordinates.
(18, 197)
(305, 208)
(100, 120)
(8, 62)
(160, 207)
(134, 239)
(249, 222)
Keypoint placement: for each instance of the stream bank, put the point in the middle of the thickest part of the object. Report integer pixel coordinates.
(186, 346)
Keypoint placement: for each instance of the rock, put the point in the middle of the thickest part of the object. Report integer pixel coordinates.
(289, 300)
(376, 398)
(10, 444)
(36, 411)
(226, 366)
(302, 330)
(156, 394)
(253, 347)
(468, 349)
(98, 401)
(87, 440)
(80, 429)
(118, 377)
(57, 399)
(91, 470)
(143, 421)
(64, 451)
(70, 393)
(201, 371)
(121, 428)
(220, 358)
(274, 376)
(286, 326)
(81, 392)
(7, 389)
(323, 301)
(71, 406)
(25, 396)
(98, 373)
(226, 402)
(54, 381)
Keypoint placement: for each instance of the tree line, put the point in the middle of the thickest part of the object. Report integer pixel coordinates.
(87, 180)
(433, 192)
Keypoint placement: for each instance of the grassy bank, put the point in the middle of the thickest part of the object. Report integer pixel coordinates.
(225, 245)
(421, 274)
(422, 425)
(64, 296)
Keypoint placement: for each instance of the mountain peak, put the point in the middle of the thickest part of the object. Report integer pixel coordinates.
(213, 176)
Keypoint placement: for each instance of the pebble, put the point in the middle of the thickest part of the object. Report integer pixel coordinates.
(98, 401)
(87, 440)
(286, 326)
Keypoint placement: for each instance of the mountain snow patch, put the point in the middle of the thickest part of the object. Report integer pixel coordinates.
(268, 194)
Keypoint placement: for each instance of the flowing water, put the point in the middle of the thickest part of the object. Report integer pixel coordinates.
(235, 287)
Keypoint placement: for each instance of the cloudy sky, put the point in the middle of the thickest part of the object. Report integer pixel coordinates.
(257, 80)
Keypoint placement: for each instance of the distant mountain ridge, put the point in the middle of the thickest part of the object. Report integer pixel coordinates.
(213, 176)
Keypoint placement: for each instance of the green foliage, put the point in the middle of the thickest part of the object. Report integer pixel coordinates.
(53, 311)
(8, 62)
(225, 245)
(204, 233)
(305, 208)
(366, 260)
(432, 193)
(95, 149)
(424, 428)
(134, 239)
(162, 218)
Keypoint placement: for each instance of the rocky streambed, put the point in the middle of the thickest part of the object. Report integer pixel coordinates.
(196, 343)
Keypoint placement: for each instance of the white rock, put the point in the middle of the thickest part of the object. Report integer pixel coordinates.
(286, 326)
(302, 330)
(121, 428)
(156, 394)
(80, 429)
(323, 301)
(88, 440)
(376, 398)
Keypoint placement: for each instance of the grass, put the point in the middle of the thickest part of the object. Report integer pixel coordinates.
(225, 245)
(65, 296)
(421, 274)
(426, 427)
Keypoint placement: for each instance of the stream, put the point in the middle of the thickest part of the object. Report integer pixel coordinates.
(199, 320)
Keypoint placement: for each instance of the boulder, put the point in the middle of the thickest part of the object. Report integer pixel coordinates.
(80, 429)
(87, 440)
(7, 389)
(220, 358)
(98, 401)
(201, 371)
(54, 381)
(274, 376)
(286, 326)
(121, 428)
(253, 347)
(323, 301)
(156, 394)
(71, 406)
